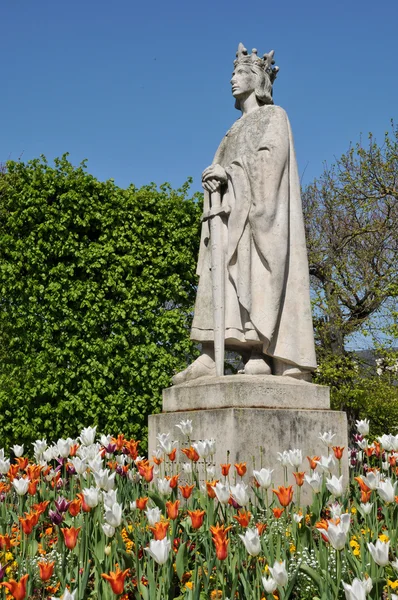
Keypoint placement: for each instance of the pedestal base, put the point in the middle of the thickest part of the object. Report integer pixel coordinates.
(251, 433)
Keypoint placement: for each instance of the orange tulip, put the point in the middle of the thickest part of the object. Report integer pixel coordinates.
(299, 477)
(369, 451)
(209, 486)
(141, 503)
(338, 452)
(261, 527)
(190, 453)
(220, 540)
(22, 463)
(157, 461)
(12, 472)
(46, 570)
(313, 462)
(243, 518)
(32, 487)
(29, 521)
(285, 494)
(172, 509)
(119, 441)
(17, 589)
(116, 580)
(196, 518)
(377, 449)
(75, 507)
(186, 490)
(40, 507)
(33, 471)
(240, 468)
(173, 481)
(362, 484)
(172, 455)
(225, 469)
(70, 536)
(132, 448)
(73, 450)
(365, 496)
(278, 512)
(145, 470)
(159, 530)
(6, 542)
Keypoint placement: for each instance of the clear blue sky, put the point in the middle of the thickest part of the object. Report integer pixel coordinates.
(141, 89)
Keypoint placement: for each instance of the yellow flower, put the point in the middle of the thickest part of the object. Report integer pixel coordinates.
(353, 510)
(215, 594)
(292, 548)
(189, 585)
(393, 584)
(383, 537)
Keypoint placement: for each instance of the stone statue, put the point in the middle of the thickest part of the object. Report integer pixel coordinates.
(252, 208)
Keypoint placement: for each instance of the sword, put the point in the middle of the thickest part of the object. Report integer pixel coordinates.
(218, 279)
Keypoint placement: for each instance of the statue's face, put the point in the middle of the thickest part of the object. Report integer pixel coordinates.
(243, 81)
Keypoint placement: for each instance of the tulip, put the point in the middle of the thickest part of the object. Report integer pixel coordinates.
(21, 486)
(278, 512)
(315, 481)
(75, 507)
(225, 469)
(241, 469)
(185, 427)
(335, 510)
(372, 479)
(251, 540)
(222, 492)
(356, 591)
(299, 477)
(366, 508)
(313, 462)
(66, 595)
(220, 540)
(196, 518)
(91, 497)
(284, 494)
(335, 486)
(298, 517)
(87, 435)
(17, 589)
(159, 550)
(338, 452)
(263, 477)
(337, 534)
(279, 573)
(39, 446)
(386, 490)
(63, 447)
(186, 490)
(243, 518)
(18, 450)
(326, 463)
(283, 458)
(363, 426)
(104, 480)
(295, 458)
(141, 503)
(269, 584)
(327, 438)
(159, 530)
(85, 506)
(153, 515)
(173, 481)
(116, 580)
(46, 570)
(191, 453)
(187, 468)
(172, 455)
(61, 504)
(4, 466)
(239, 493)
(204, 448)
(55, 517)
(380, 552)
(108, 530)
(113, 516)
(164, 487)
(172, 509)
(165, 442)
(70, 536)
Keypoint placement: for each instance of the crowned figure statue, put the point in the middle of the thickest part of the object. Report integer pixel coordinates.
(252, 189)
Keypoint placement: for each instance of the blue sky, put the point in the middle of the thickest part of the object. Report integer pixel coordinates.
(141, 89)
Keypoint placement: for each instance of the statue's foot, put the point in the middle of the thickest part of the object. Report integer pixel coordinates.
(201, 367)
(284, 369)
(257, 365)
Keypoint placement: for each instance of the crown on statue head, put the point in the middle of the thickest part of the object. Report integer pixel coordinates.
(266, 63)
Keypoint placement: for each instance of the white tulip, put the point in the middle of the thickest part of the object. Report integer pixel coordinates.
(204, 448)
(21, 486)
(239, 493)
(113, 516)
(87, 435)
(327, 438)
(264, 478)
(295, 458)
(251, 540)
(222, 492)
(79, 464)
(387, 442)
(164, 487)
(297, 517)
(335, 486)
(379, 552)
(315, 481)
(386, 490)
(283, 458)
(66, 595)
(104, 480)
(187, 468)
(335, 510)
(64, 446)
(4, 466)
(91, 496)
(159, 550)
(366, 509)
(18, 450)
(337, 534)
(165, 442)
(269, 584)
(279, 573)
(153, 515)
(109, 498)
(363, 426)
(356, 591)
(372, 479)
(326, 463)
(185, 427)
(108, 530)
(39, 446)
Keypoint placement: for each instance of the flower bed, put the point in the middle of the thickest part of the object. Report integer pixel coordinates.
(87, 518)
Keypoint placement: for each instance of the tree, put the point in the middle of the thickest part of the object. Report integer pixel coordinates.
(97, 288)
(351, 216)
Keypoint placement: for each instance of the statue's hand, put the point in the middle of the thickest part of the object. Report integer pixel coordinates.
(211, 185)
(216, 172)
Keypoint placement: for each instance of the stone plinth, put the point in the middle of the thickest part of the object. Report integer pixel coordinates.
(250, 416)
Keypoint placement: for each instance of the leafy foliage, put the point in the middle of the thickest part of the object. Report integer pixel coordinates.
(97, 288)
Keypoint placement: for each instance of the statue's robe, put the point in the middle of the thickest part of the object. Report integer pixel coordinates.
(267, 298)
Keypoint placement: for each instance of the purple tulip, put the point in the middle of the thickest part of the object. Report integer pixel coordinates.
(55, 517)
(2, 572)
(62, 504)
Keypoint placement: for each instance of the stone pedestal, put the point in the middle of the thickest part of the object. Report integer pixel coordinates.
(253, 416)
